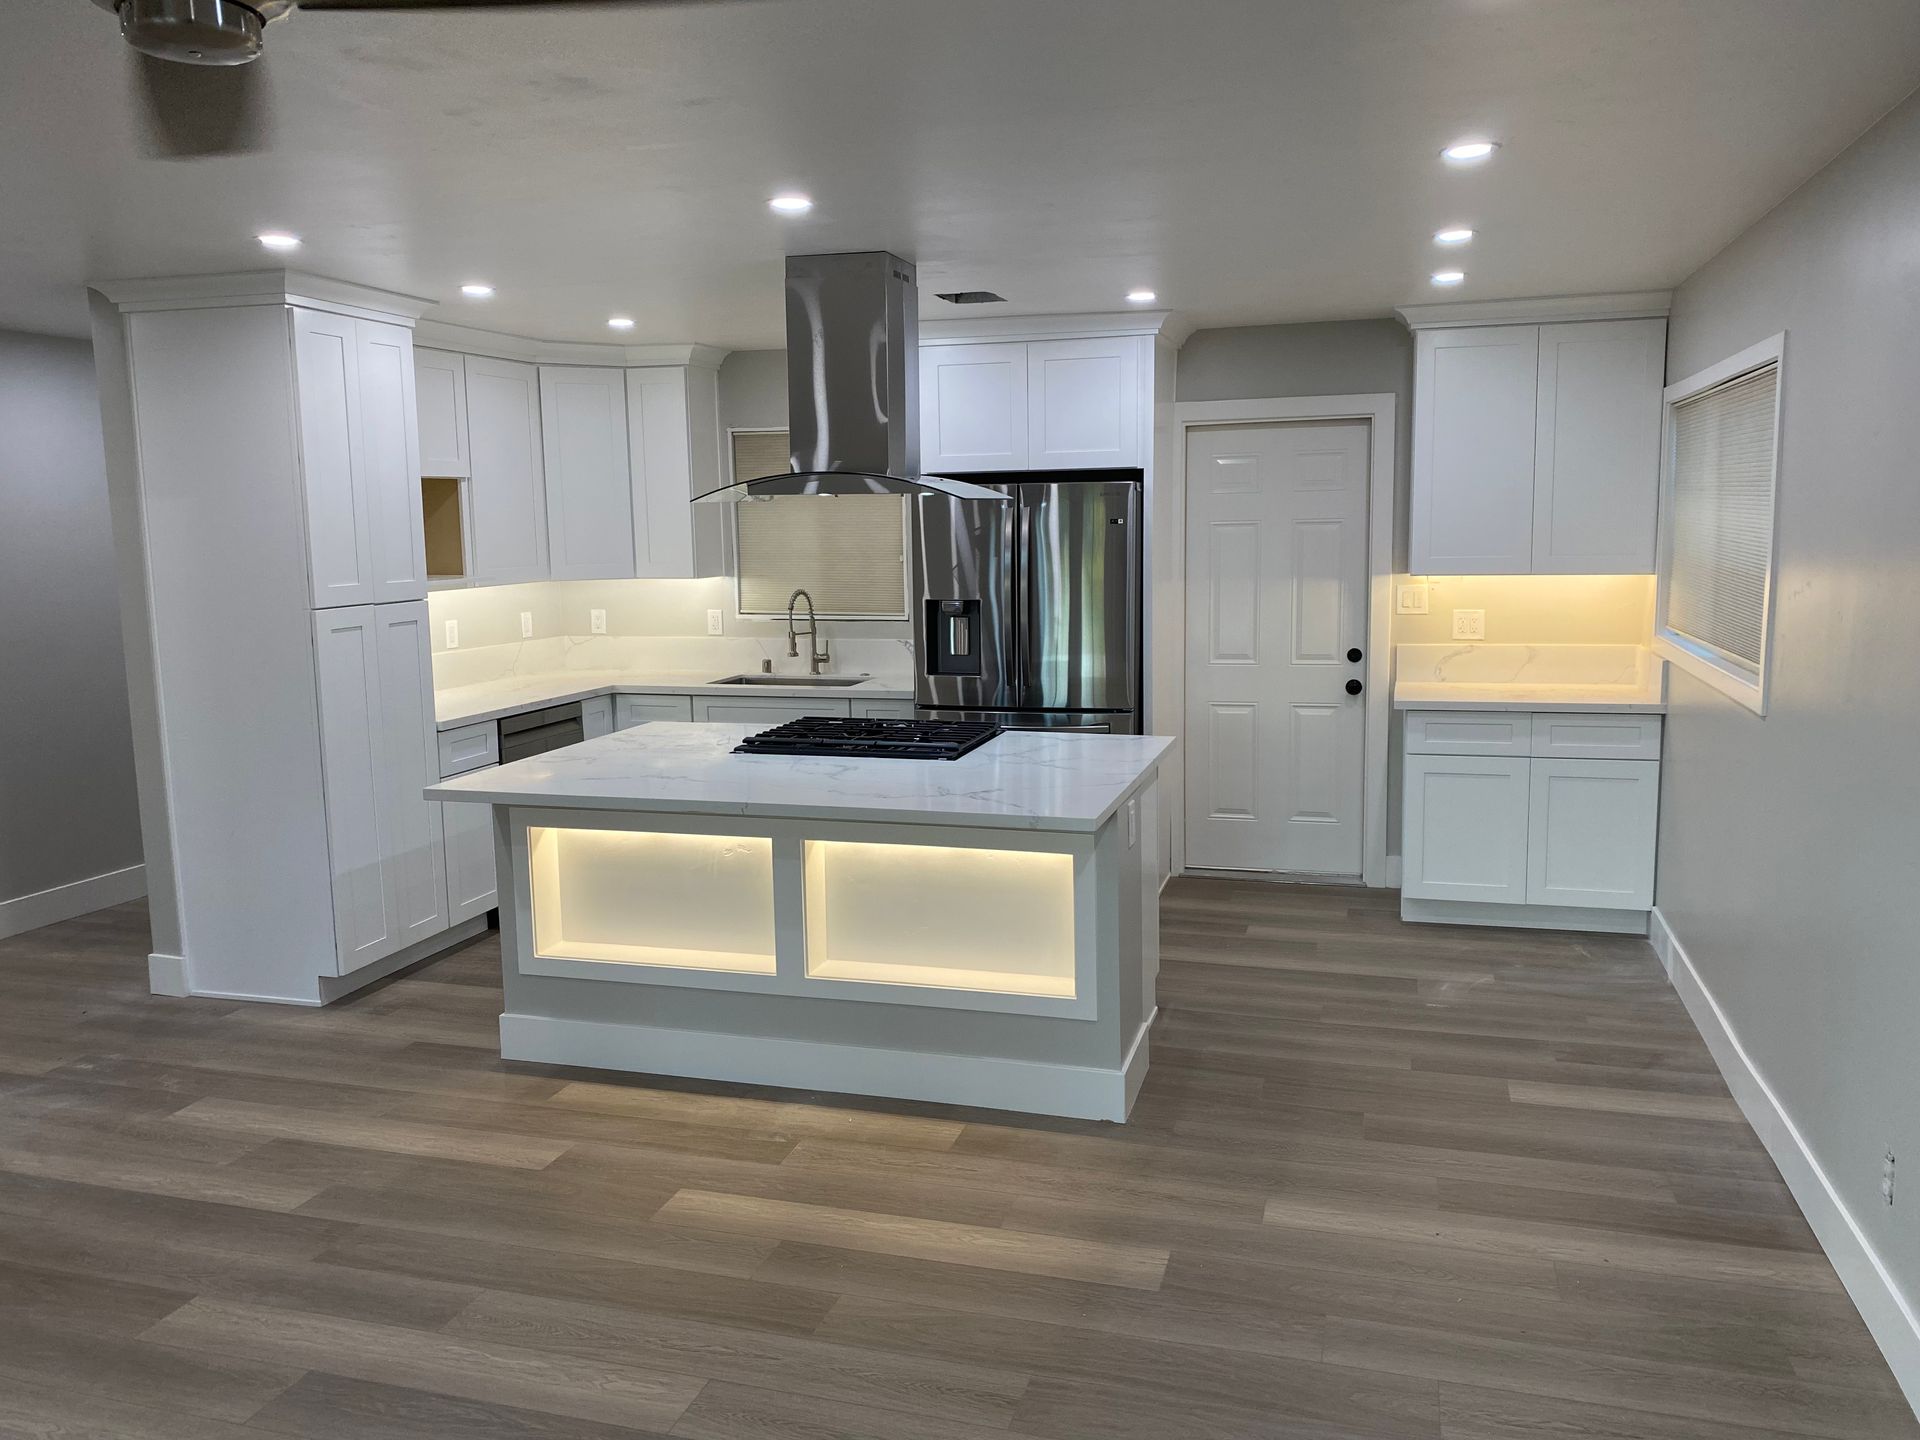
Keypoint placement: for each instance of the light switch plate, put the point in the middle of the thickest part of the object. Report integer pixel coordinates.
(1412, 600)
(1469, 624)
(526, 624)
(453, 634)
(713, 623)
(597, 621)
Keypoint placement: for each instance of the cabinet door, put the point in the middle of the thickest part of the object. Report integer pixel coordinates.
(765, 712)
(390, 450)
(882, 709)
(413, 858)
(1084, 407)
(1473, 444)
(973, 408)
(1591, 833)
(632, 710)
(347, 669)
(596, 717)
(1596, 457)
(507, 503)
(440, 389)
(472, 887)
(333, 471)
(1464, 829)
(583, 428)
(659, 442)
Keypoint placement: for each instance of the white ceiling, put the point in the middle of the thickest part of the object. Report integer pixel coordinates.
(1251, 160)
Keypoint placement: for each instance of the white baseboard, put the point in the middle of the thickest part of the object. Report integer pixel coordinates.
(990, 1082)
(1889, 1316)
(1523, 917)
(167, 975)
(63, 902)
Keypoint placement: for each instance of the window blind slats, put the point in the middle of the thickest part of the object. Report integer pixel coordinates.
(846, 551)
(1722, 523)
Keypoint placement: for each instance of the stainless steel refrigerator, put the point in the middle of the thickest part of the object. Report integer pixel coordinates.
(1028, 613)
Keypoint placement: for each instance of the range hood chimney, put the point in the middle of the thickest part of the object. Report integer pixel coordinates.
(853, 384)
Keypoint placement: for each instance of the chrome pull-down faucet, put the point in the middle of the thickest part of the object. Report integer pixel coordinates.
(816, 652)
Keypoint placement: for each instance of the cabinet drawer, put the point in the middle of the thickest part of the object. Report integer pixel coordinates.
(469, 748)
(882, 709)
(1566, 736)
(632, 710)
(1469, 732)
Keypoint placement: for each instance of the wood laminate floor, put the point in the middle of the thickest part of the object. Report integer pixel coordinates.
(1384, 1181)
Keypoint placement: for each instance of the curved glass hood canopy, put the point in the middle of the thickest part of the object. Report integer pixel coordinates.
(853, 385)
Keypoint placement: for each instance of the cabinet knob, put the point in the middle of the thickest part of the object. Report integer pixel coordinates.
(1354, 655)
(1354, 687)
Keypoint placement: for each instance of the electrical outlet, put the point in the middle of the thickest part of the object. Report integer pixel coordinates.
(1469, 624)
(713, 623)
(453, 634)
(1412, 600)
(1886, 1178)
(526, 624)
(597, 621)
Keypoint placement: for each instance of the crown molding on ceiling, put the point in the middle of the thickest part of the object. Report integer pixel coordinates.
(1164, 324)
(1546, 310)
(262, 287)
(470, 341)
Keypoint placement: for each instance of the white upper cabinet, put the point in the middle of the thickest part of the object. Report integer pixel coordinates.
(1473, 447)
(440, 379)
(1536, 448)
(673, 445)
(1596, 467)
(390, 450)
(973, 408)
(583, 426)
(1034, 404)
(507, 503)
(1083, 405)
(333, 472)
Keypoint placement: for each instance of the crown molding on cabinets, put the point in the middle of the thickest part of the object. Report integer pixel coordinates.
(439, 335)
(1162, 323)
(264, 287)
(1547, 310)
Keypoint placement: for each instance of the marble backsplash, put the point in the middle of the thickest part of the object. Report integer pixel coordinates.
(1526, 664)
(675, 654)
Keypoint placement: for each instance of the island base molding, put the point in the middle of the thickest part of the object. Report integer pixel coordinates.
(988, 1082)
(1525, 917)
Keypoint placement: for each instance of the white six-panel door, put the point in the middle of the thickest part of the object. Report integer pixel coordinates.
(1276, 600)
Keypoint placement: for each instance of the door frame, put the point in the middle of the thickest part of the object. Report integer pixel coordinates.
(1379, 412)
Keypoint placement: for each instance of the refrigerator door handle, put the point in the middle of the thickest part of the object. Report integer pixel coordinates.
(1019, 531)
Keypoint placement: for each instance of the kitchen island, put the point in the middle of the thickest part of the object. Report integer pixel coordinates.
(982, 931)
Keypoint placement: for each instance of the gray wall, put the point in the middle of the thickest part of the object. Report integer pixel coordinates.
(1336, 357)
(753, 390)
(1787, 845)
(67, 805)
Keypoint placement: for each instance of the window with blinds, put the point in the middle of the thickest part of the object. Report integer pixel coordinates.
(1717, 552)
(846, 551)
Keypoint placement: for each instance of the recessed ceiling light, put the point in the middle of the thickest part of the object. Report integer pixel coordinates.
(477, 292)
(1448, 277)
(1469, 152)
(1142, 297)
(1458, 235)
(790, 204)
(619, 322)
(278, 240)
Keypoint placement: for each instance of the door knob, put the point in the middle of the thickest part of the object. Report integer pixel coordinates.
(1354, 687)
(1354, 655)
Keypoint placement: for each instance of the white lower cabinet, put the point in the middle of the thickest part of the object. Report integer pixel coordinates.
(1569, 826)
(728, 711)
(596, 716)
(471, 886)
(1465, 835)
(412, 858)
(632, 710)
(882, 709)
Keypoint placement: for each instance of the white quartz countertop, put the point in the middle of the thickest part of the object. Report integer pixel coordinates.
(491, 699)
(1613, 678)
(1023, 779)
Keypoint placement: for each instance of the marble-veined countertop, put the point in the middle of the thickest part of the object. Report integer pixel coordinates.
(1022, 779)
(1611, 678)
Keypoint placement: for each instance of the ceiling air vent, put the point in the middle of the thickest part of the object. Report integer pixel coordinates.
(971, 297)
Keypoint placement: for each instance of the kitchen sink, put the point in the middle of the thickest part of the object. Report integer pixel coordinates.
(800, 680)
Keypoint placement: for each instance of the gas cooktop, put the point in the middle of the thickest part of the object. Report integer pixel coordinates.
(894, 739)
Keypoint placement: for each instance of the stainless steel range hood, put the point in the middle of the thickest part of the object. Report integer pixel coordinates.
(853, 384)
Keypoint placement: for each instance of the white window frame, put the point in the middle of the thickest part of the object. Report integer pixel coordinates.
(733, 550)
(1698, 660)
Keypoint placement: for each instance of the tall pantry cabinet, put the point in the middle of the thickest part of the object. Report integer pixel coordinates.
(264, 458)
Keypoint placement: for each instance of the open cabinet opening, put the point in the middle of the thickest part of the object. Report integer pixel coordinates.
(445, 523)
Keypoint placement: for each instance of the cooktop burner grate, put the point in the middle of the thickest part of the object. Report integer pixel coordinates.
(895, 739)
